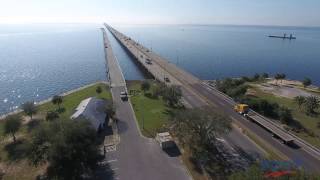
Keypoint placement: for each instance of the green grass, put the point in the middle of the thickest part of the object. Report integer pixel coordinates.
(153, 112)
(71, 101)
(12, 155)
(298, 114)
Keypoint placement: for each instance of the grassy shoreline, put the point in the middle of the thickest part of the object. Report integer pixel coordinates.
(3, 116)
(13, 156)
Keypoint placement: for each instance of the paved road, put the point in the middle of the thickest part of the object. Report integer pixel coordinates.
(198, 92)
(136, 157)
(300, 156)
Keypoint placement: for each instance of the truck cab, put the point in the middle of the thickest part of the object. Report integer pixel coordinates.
(242, 109)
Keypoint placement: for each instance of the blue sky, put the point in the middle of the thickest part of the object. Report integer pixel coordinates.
(251, 12)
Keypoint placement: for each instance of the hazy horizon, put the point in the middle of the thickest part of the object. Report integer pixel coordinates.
(216, 12)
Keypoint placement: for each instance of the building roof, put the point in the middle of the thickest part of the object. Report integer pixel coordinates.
(163, 137)
(91, 109)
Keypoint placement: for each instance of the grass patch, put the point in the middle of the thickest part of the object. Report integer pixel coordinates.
(299, 115)
(71, 101)
(152, 114)
(13, 155)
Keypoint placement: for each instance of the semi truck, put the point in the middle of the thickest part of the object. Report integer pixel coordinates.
(266, 123)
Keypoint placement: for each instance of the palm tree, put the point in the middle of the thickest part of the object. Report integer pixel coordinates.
(12, 125)
(277, 77)
(57, 100)
(29, 108)
(282, 77)
(306, 82)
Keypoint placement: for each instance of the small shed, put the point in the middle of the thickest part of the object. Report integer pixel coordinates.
(93, 110)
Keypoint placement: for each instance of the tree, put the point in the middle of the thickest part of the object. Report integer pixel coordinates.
(110, 110)
(198, 129)
(256, 76)
(57, 100)
(300, 100)
(277, 77)
(306, 82)
(311, 104)
(285, 115)
(145, 86)
(29, 108)
(99, 90)
(12, 125)
(172, 95)
(52, 115)
(70, 148)
(282, 77)
(265, 75)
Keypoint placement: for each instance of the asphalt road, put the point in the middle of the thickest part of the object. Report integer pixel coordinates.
(199, 93)
(297, 155)
(136, 157)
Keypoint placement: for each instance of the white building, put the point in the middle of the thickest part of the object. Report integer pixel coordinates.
(92, 110)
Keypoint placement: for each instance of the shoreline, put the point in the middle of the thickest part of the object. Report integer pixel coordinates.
(3, 116)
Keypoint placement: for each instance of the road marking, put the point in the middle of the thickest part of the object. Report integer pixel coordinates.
(114, 169)
(113, 160)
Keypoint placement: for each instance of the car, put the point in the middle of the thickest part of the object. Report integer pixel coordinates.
(166, 79)
(124, 95)
(148, 61)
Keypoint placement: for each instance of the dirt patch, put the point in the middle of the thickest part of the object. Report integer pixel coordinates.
(284, 90)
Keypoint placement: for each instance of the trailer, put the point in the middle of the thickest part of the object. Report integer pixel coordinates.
(266, 124)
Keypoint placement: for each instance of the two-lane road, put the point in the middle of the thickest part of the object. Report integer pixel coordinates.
(136, 157)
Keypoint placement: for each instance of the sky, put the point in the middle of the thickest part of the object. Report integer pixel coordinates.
(240, 12)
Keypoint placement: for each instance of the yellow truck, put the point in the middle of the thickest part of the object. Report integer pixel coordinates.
(242, 109)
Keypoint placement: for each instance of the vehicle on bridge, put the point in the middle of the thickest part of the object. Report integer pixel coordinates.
(242, 109)
(276, 132)
(124, 96)
(148, 61)
(166, 79)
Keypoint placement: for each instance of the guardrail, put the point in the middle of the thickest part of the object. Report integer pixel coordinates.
(302, 142)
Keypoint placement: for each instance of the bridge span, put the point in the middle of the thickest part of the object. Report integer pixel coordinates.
(199, 93)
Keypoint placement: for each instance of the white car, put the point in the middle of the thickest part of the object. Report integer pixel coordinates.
(124, 95)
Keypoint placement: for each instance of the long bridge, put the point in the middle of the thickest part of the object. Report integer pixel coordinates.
(198, 93)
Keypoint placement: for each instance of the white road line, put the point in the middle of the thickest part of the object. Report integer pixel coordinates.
(113, 160)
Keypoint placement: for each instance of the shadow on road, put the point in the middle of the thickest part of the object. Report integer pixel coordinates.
(122, 126)
(173, 151)
(293, 145)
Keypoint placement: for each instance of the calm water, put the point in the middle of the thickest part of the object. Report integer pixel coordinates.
(213, 52)
(38, 61)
